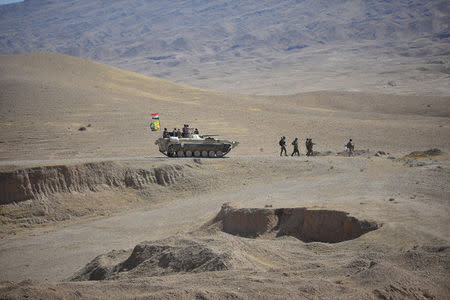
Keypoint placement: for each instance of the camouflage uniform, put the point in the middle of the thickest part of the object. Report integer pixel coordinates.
(350, 147)
(295, 144)
(283, 146)
(309, 147)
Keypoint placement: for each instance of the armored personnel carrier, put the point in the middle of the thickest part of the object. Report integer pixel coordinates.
(194, 145)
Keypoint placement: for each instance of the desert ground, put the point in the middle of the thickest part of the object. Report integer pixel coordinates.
(100, 213)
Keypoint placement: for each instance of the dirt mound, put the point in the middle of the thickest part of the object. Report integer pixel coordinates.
(355, 153)
(326, 153)
(307, 225)
(427, 153)
(101, 266)
(246, 222)
(158, 258)
(408, 267)
(381, 153)
(34, 183)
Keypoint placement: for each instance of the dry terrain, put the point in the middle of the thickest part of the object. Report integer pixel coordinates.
(46, 98)
(265, 47)
(100, 213)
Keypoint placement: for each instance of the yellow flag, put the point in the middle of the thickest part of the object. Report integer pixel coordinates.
(155, 126)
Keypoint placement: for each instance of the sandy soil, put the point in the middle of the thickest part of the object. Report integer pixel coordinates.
(158, 226)
(46, 98)
(410, 202)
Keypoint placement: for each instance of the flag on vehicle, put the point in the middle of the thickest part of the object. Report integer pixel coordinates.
(155, 116)
(155, 126)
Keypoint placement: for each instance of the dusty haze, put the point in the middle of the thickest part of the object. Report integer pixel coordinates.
(265, 47)
(99, 213)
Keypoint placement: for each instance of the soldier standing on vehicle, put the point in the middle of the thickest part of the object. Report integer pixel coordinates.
(179, 134)
(283, 146)
(165, 133)
(174, 132)
(295, 144)
(185, 130)
(350, 147)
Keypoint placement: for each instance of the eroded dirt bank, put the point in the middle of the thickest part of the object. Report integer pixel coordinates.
(209, 263)
(276, 246)
(39, 182)
(180, 255)
(32, 197)
(327, 226)
(49, 194)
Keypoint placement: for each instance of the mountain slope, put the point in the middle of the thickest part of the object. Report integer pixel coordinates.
(204, 25)
(258, 47)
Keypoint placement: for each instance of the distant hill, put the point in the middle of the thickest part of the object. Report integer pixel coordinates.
(238, 45)
(45, 98)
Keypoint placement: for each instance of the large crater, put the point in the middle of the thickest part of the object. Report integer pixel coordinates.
(327, 226)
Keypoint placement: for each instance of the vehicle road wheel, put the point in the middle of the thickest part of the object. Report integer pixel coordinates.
(180, 153)
(197, 153)
(170, 152)
(204, 153)
(212, 153)
(219, 153)
(188, 153)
